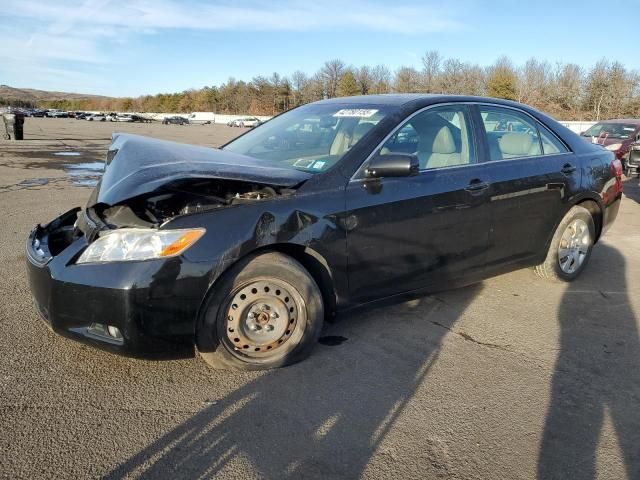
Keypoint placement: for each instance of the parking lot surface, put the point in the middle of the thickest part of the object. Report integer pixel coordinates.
(512, 378)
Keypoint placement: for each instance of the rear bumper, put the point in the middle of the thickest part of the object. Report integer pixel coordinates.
(153, 304)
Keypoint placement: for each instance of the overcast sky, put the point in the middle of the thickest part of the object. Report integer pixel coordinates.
(134, 47)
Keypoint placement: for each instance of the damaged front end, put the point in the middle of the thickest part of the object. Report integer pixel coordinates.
(176, 199)
(121, 273)
(148, 182)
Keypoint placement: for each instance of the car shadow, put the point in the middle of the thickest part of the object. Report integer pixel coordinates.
(322, 418)
(631, 188)
(596, 381)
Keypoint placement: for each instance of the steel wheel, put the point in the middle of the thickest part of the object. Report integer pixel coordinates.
(574, 246)
(262, 317)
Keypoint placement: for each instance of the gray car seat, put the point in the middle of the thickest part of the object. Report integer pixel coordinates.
(438, 150)
(518, 144)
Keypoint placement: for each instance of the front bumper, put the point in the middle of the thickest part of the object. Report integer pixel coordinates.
(154, 304)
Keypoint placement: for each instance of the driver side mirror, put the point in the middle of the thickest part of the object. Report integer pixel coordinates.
(393, 165)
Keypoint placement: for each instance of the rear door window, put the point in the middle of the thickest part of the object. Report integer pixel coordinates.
(550, 143)
(510, 134)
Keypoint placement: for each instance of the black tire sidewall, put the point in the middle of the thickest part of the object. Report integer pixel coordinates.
(212, 322)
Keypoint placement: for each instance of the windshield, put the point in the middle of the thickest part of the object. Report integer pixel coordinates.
(611, 130)
(311, 138)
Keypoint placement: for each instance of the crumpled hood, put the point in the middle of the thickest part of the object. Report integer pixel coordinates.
(136, 165)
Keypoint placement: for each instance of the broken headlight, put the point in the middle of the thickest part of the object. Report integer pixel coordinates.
(127, 244)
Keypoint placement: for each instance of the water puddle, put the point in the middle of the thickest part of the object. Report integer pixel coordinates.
(67, 154)
(85, 174)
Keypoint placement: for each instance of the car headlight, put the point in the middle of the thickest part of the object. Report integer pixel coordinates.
(613, 147)
(128, 244)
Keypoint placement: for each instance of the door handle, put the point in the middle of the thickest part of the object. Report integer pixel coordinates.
(568, 169)
(476, 186)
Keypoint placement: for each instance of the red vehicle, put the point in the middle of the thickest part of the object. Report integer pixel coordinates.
(615, 135)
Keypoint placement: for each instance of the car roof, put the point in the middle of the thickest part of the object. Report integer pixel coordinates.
(400, 99)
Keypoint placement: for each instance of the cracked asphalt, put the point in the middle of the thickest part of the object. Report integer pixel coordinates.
(513, 378)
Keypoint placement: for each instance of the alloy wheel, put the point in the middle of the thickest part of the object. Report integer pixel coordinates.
(574, 246)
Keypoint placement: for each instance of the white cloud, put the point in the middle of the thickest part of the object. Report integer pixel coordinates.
(291, 15)
(50, 34)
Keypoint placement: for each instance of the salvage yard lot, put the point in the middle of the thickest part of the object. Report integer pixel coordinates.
(511, 378)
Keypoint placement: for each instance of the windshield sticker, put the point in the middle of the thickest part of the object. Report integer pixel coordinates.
(629, 129)
(356, 112)
(319, 165)
(303, 162)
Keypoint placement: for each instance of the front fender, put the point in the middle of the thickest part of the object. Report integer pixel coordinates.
(300, 227)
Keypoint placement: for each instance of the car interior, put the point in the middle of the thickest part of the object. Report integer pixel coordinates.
(435, 137)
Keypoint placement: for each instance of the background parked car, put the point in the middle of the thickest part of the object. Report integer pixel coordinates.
(97, 117)
(141, 119)
(246, 122)
(614, 135)
(631, 159)
(57, 114)
(175, 120)
(194, 120)
(124, 117)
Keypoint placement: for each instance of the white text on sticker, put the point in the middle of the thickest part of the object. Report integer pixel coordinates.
(355, 112)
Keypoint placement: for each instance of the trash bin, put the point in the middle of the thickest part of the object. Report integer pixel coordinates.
(13, 126)
(18, 126)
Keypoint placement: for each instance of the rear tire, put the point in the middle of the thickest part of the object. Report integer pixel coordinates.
(570, 247)
(265, 312)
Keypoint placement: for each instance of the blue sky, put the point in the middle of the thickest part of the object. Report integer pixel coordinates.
(135, 47)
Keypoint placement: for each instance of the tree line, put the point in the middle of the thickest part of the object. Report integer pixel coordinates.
(12, 102)
(564, 90)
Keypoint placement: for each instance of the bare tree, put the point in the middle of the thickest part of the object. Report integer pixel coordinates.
(364, 79)
(331, 73)
(451, 78)
(407, 80)
(606, 90)
(431, 62)
(566, 90)
(597, 87)
(473, 80)
(381, 79)
(620, 90)
(534, 80)
(299, 82)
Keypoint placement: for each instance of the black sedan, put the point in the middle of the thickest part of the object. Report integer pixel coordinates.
(175, 120)
(243, 251)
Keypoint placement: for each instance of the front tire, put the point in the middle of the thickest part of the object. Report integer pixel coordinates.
(265, 312)
(570, 247)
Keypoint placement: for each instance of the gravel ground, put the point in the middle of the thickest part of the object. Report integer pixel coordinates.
(512, 378)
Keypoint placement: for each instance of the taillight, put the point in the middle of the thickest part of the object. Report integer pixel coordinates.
(616, 170)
